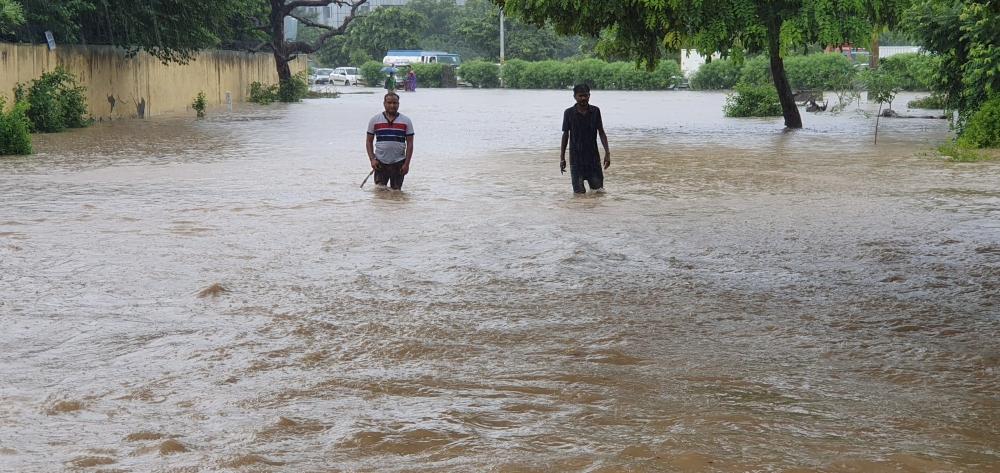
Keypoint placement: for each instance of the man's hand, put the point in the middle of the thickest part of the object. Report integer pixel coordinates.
(405, 169)
(562, 164)
(374, 163)
(607, 159)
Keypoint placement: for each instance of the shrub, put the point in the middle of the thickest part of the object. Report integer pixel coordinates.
(199, 104)
(753, 100)
(15, 129)
(372, 73)
(961, 154)
(715, 75)
(915, 70)
(429, 75)
(756, 71)
(263, 93)
(480, 74)
(882, 85)
(935, 101)
(55, 102)
(294, 89)
(820, 72)
(983, 128)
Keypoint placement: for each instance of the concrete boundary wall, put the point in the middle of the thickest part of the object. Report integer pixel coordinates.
(140, 86)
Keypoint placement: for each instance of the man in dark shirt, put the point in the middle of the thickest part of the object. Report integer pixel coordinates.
(581, 126)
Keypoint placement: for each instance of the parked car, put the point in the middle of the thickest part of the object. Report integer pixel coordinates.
(320, 76)
(344, 76)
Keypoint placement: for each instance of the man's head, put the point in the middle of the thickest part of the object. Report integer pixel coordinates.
(581, 92)
(391, 103)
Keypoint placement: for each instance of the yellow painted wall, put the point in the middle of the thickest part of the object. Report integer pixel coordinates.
(118, 85)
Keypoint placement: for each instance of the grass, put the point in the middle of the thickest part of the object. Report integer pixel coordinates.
(960, 154)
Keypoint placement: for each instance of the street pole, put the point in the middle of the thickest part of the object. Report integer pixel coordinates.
(501, 47)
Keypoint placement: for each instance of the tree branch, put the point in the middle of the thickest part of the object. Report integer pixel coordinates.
(320, 3)
(298, 47)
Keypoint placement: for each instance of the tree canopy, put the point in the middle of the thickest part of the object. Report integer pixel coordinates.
(10, 15)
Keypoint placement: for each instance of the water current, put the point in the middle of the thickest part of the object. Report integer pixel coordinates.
(182, 295)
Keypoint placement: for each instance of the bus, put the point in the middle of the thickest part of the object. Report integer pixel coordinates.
(405, 57)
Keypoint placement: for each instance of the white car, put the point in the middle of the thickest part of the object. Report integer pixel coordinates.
(344, 76)
(320, 76)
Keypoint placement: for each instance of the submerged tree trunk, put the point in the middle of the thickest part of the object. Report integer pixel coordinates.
(785, 96)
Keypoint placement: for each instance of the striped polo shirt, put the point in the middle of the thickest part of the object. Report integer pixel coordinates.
(390, 137)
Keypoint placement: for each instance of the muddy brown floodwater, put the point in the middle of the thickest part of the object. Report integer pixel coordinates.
(219, 295)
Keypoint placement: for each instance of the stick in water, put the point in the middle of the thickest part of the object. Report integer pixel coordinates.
(366, 178)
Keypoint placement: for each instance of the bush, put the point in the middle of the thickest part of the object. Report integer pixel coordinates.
(263, 93)
(820, 72)
(983, 128)
(294, 89)
(715, 75)
(480, 74)
(882, 85)
(915, 70)
(756, 71)
(753, 100)
(199, 104)
(429, 75)
(934, 101)
(598, 74)
(55, 102)
(372, 73)
(15, 129)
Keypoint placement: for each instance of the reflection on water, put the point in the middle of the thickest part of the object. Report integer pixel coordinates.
(742, 299)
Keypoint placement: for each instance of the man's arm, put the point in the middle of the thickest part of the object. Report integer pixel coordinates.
(370, 147)
(562, 151)
(409, 154)
(607, 150)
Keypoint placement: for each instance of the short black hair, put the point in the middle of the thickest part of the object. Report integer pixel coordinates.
(581, 88)
(387, 94)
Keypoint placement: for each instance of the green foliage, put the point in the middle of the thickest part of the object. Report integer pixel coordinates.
(429, 75)
(715, 75)
(199, 104)
(372, 73)
(751, 100)
(294, 89)
(961, 154)
(11, 15)
(983, 127)
(882, 85)
(822, 71)
(965, 34)
(55, 102)
(915, 71)
(756, 71)
(15, 129)
(598, 74)
(932, 101)
(384, 29)
(480, 73)
(171, 30)
(263, 93)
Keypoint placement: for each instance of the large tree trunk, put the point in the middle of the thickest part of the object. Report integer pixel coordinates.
(873, 59)
(785, 96)
(278, 44)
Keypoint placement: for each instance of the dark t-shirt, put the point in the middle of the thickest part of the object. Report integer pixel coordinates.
(582, 128)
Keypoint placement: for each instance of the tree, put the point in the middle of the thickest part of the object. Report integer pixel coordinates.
(883, 15)
(965, 35)
(171, 30)
(644, 28)
(11, 15)
(386, 28)
(285, 50)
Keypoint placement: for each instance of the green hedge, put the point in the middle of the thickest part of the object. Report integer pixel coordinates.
(372, 73)
(715, 75)
(15, 129)
(428, 75)
(518, 74)
(915, 70)
(480, 74)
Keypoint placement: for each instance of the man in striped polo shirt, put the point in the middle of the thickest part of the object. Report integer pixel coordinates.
(390, 143)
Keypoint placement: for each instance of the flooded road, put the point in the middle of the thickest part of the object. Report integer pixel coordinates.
(220, 295)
